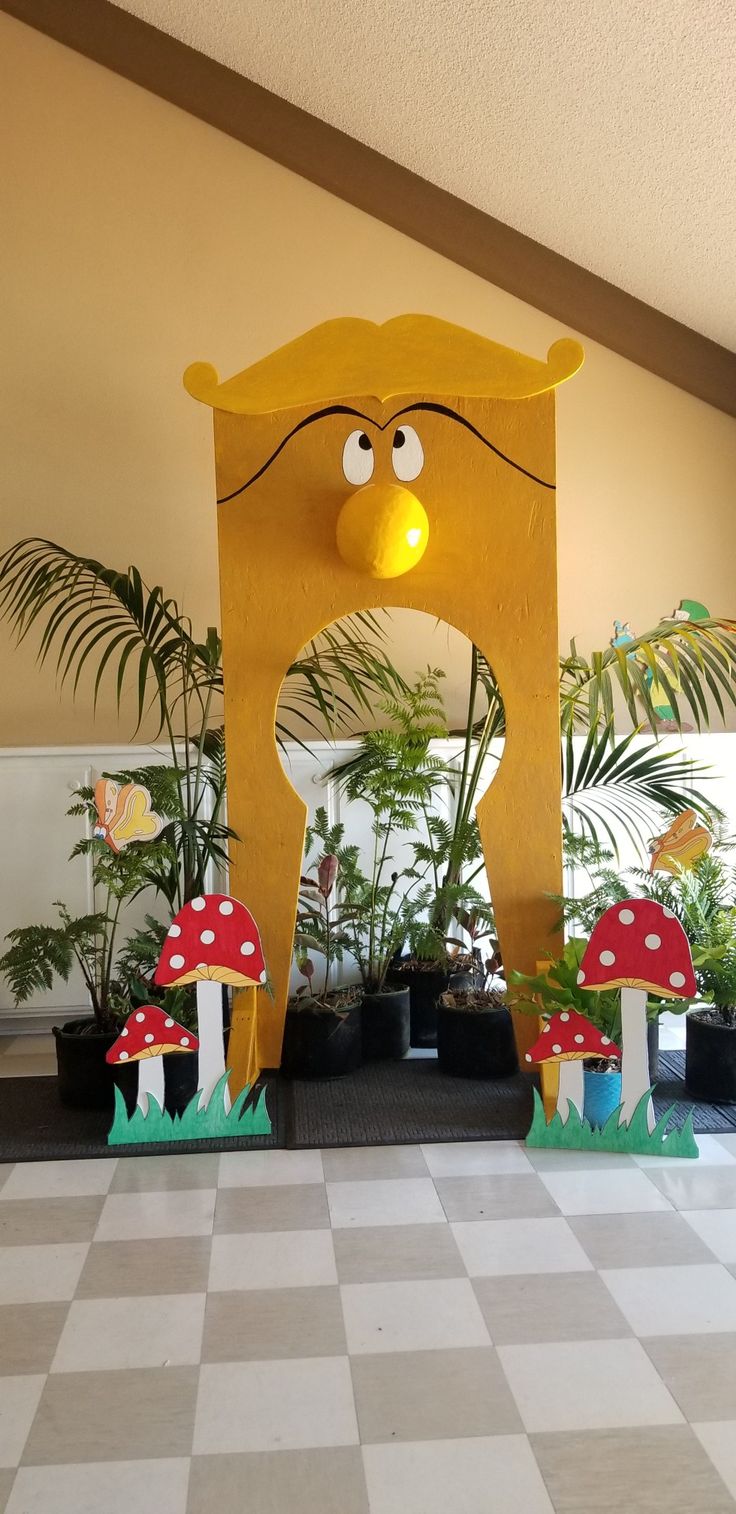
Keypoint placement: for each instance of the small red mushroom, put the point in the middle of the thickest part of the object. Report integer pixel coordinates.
(212, 940)
(569, 1039)
(641, 948)
(149, 1034)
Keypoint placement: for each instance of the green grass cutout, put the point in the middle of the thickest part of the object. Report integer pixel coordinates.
(212, 1123)
(578, 1134)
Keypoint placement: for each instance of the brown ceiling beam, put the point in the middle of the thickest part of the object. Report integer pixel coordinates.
(392, 194)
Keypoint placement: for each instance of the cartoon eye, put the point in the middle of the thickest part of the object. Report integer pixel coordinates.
(358, 458)
(407, 454)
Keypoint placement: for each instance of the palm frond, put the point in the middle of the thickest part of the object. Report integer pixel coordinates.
(693, 661)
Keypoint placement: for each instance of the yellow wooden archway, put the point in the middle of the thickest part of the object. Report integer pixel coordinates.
(484, 560)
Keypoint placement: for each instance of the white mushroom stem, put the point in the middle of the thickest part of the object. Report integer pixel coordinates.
(211, 1041)
(150, 1082)
(570, 1089)
(635, 1055)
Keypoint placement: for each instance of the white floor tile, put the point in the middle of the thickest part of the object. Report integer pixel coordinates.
(711, 1154)
(40, 1274)
(114, 1333)
(610, 1192)
(272, 1259)
(19, 1398)
(412, 1316)
(587, 1385)
(146, 1216)
(115, 1487)
(265, 1169)
(675, 1300)
(57, 1180)
(495, 1247)
(496, 1475)
(275, 1406)
(390, 1201)
(718, 1438)
(455, 1159)
(717, 1227)
(727, 1140)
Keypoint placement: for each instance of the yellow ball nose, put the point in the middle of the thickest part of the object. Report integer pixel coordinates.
(382, 530)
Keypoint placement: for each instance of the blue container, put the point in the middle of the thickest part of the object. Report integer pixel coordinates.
(602, 1094)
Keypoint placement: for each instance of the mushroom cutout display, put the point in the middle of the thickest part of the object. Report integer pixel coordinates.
(149, 1034)
(212, 940)
(569, 1039)
(641, 948)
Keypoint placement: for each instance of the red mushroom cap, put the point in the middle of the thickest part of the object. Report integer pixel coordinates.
(639, 944)
(150, 1032)
(212, 937)
(569, 1037)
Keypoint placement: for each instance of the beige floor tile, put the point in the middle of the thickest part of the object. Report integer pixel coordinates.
(29, 1335)
(485, 1475)
(5, 1170)
(719, 1440)
(7, 1478)
(268, 1406)
(660, 1470)
(432, 1395)
(123, 1268)
(618, 1193)
(700, 1372)
(19, 1398)
(89, 1416)
(424, 1316)
(454, 1159)
(550, 1159)
(384, 1201)
(638, 1240)
(272, 1324)
(696, 1187)
(558, 1306)
(491, 1248)
(328, 1481)
(26, 1222)
(161, 1173)
(28, 1066)
(149, 1487)
(587, 1385)
(276, 1259)
(396, 1253)
(299, 1207)
(110, 1334)
(40, 1274)
(266, 1169)
(148, 1216)
(675, 1300)
(353, 1163)
(59, 1180)
(506, 1197)
(717, 1230)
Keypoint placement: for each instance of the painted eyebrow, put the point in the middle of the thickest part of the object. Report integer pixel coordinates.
(319, 415)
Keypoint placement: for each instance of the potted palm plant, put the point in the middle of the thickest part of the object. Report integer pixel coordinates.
(475, 1033)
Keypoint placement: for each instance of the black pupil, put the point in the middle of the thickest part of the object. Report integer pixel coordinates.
(399, 439)
(364, 442)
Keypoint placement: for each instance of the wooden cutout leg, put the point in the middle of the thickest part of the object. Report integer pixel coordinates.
(242, 1053)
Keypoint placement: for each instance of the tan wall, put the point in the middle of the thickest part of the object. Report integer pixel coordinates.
(137, 239)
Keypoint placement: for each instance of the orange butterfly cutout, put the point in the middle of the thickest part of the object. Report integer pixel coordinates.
(124, 814)
(680, 846)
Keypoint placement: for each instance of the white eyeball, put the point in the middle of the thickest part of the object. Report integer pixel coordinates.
(358, 458)
(407, 454)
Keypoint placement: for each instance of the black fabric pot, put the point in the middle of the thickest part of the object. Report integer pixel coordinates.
(474, 1043)
(710, 1060)
(653, 1049)
(85, 1079)
(386, 1025)
(321, 1045)
(181, 1073)
(425, 987)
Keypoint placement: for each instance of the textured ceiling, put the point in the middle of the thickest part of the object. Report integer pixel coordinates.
(601, 128)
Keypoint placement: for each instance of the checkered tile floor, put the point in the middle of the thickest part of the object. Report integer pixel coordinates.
(462, 1329)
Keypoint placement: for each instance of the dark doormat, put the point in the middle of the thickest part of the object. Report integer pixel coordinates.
(35, 1126)
(399, 1103)
(708, 1119)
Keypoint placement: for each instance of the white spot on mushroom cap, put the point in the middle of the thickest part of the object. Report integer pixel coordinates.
(605, 1040)
(546, 1030)
(185, 1040)
(140, 1016)
(669, 913)
(677, 979)
(564, 1015)
(201, 967)
(168, 1023)
(263, 976)
(581, 976)
(226, 906)
(556, 1048)
(174, 930)
(207, 937)
(579, 1040)
(248, 948)
(626, 916)
(528, 1057)
(607, 959)
(148, 1040)
(124, 1031)
(653, 942)
(123, 1056)
(176, 961)
(199, 904)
